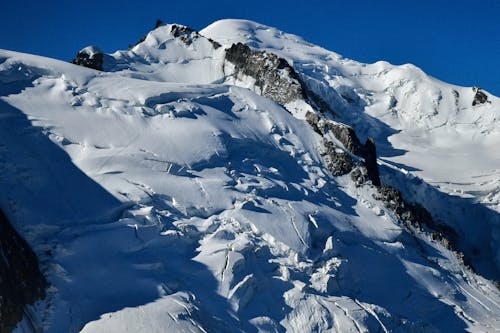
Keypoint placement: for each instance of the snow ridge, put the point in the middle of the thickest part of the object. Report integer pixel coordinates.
(164, 193)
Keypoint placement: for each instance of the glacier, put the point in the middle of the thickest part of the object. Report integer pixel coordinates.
(175, 190)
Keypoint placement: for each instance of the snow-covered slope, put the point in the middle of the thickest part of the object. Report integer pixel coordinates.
(166, 194)
(417, 122)
(433, 143)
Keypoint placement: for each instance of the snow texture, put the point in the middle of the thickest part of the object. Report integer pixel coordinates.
(165, 194)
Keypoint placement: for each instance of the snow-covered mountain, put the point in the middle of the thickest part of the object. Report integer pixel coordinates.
(242, 179)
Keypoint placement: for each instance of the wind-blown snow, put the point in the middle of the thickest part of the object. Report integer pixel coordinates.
(160, 197)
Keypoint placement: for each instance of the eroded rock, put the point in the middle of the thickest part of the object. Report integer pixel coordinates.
(187, 35)
(480, 97)
(337, 161)
(276, 79)
(90, 57)
(341, 163)
(21, 282)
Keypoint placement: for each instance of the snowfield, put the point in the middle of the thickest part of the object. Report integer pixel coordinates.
(165, 194)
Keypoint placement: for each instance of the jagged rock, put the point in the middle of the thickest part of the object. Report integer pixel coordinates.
(337, 161)
(369, 153)
(273, 75)
(90, 57)
(417, 216)
(159, 23)
(480, 97)
(359, 175)
(21, 282)
(187, 35)
(314, 120)
(346, 135)
(413, 213)
(278, 80)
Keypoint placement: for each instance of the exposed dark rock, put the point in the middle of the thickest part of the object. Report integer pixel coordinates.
(21, 282)
(279, 81)
(346, 135)
(214, 43)
(187, 35)
(369, 153)
(314, 120)
(159, 23)
(273, 75)
(480, 97)
(338, 162)
(415, 214)
(359, 175)
(90, 57)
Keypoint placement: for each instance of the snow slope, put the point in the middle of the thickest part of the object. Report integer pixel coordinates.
(163, 196)
(433, 144)
(427, 121)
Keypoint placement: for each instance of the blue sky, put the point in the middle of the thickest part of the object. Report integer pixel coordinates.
(454, 41)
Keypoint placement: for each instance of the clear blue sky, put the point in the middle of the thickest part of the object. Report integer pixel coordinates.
(455, 41)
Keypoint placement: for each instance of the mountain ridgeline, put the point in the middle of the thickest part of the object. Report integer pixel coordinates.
(241, 179)
(273, 77)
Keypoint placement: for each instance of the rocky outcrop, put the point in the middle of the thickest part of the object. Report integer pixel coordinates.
(275, 78)
(159, 23)
(184, 33)
(415, 215)
(369, 153)
(21, 282)
(339, 161)
(188, 35)
(480, 97)
(360, 161)
(90, 57)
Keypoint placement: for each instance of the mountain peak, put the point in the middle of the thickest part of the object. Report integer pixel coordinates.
(260, 184)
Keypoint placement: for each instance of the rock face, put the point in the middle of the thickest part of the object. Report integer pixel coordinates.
(346, 135)
(187, 35)
(273, 75)
(90, 57)
(416, 216)
(480, 97)
(21, 282)
(340, 163)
